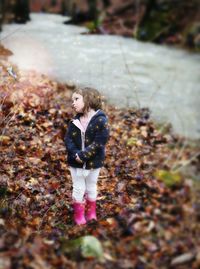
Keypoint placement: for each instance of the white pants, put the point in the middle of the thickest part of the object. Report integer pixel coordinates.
(84, 182)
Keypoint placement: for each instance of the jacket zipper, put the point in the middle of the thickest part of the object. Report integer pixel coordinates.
(83, 145)
(83, 137)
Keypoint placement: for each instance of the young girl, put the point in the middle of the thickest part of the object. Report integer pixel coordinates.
(85, 141)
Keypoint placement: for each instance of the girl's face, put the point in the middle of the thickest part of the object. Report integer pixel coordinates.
(77, 102)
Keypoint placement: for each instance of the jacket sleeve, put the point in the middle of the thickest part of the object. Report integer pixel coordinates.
(69, 143)
(100, 141)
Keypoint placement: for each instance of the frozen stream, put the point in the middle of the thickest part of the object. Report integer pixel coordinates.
(127, 72)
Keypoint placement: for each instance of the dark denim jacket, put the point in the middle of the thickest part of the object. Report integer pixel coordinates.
(90, 145)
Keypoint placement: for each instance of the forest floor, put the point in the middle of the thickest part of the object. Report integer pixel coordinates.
(148, 210)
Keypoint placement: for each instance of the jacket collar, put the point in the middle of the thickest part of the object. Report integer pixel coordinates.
(76, 120)
(98, 113)
(78, 124)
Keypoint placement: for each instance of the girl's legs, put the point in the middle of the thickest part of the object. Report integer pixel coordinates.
(79, 186)
(84, 182)
(91, 194)
(91, 184)
(77, 195)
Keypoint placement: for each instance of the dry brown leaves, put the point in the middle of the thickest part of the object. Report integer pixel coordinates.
(141, 222)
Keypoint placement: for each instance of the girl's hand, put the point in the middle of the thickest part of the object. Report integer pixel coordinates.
(78, 159)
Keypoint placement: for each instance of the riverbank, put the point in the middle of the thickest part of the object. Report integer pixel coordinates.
(129, 73)
(160, 22)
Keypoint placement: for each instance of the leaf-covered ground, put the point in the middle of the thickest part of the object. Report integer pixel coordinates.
(148, 212)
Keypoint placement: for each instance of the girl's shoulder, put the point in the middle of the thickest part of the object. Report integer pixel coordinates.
(101, 121)
(101, 113)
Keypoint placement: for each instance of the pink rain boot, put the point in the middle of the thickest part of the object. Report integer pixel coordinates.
(79, 213)
(91, 210)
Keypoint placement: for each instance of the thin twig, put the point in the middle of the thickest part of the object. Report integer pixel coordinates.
(184, 144)
(10, 34)
(7, 124)
(128, 70)
(44, 216)
(187, 162)
(1, 105)
(15, 198)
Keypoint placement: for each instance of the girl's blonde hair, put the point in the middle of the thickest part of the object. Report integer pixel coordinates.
(91, 97)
